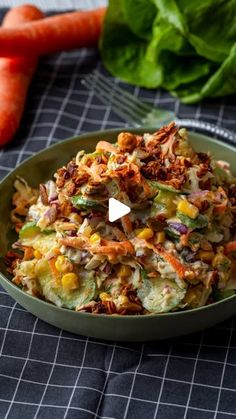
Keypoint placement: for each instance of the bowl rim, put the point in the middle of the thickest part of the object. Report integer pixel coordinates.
(113, 316)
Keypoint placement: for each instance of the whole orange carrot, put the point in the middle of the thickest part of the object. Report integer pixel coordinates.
(55, 33)
(15, 76)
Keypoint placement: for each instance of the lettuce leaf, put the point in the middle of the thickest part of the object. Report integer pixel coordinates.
(174, 44)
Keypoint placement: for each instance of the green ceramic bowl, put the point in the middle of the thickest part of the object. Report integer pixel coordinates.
(127, 328)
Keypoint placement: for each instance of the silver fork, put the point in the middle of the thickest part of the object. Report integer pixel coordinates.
(139, 113)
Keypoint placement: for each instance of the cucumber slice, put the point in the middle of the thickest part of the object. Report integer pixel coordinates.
(156, 186)
(29, 230)
(79, 202)
(222, 176)
(163, 203)
(160, 295)
(221, 295)
(172, 234)
(59, 295)
(200, 222)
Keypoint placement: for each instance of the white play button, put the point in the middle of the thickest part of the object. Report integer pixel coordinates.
(116, 210)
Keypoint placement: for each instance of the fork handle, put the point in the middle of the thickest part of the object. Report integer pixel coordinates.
(225, 133)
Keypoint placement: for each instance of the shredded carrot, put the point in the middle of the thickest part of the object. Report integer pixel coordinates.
(179, 268)
(54, 271)
(120, 248)
(230, 247)
(126, 224)
(28, 253)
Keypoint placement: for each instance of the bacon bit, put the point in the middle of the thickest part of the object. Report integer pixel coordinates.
(203, 170)
(164, 133)
(11, 260)
(70, 188)
(60, 177)
(94, 188)
(121, 159)
(232, 195)
(72, 168)
(80, 178)
(153, 170)
(100, 307)
(65, 208)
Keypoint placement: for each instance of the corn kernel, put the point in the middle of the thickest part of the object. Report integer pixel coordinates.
(206, 256)
(219, 259)
(113, 259)
(188, 209)
(123, 300)
(70, 281)
(124, 271)
(87, 231)
(144, 233)
(95, 238)
(37, 254)
(76, 218)
(160, 237)
(104, 296)
(63, 265)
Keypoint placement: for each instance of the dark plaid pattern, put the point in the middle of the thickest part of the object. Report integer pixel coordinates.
(46, 373)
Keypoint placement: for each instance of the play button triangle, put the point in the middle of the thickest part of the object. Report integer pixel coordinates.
(116, 210)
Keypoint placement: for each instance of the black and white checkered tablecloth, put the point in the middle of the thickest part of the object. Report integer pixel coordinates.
(46, 373)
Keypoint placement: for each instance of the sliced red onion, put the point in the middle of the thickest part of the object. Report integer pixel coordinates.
(198, 194)
(181, 228)
(51, 190)
(51, 214)
(55, 202)
(72, 233)
(107, 268)
(187, 255)
(75, 210)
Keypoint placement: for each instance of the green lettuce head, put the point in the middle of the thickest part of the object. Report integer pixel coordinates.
(186, 47)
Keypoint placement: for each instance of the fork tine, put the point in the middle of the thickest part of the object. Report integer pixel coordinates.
(106, 97)
(126, 100)
(126, 112)
(124, 94)
(103, 99)
(112, 97)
